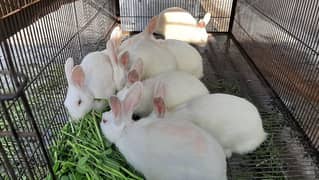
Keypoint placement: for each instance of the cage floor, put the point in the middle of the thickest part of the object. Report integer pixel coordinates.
(285, 154)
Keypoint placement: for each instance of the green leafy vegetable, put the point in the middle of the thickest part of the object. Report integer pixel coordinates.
(82, 152)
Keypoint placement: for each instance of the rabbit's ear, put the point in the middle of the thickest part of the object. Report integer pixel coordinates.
(78, 76)
(151, 25)
(115, 107)
(132, 77)
(139, 67)
(159, 107)
(124, 59)
(68, 69)
(159, 89)
(206, 18)
(203, 22)
(116, 35)
(112, 50)
(108, 44)
(132, 98)
(158, 99)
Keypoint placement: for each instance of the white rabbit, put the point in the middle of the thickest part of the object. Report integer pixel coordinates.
(233, 121)
(162, 149)
(120, 65)
(177, 23)
(98, 77)
(187, 57)
(180, 87)
(155, 56)
(117, 37)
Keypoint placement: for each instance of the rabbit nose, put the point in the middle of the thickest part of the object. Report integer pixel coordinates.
(104, 121)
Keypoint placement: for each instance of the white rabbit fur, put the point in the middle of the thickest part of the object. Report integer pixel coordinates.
(177, 23)
(233, 121)
(180, 87)
(162, 149)
(98, 76)
(187, 57)
(155, 56)
(117, 37)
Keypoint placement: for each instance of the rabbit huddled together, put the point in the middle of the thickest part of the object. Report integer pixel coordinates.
(184, 131)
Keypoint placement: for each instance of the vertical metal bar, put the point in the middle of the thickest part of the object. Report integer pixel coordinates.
(308, 75)
(45, 152)
(19, 106)
(15, 135)
(293, 65)
(31, 117)
(7, 163)
(49, 25)
(33, 34)
(78, 28)
(117, 8)
(232, 16)
(11, 68)
(54, 122)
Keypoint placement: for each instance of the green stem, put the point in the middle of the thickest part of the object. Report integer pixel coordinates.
(109, 170)
(98, 132)
(130, 173)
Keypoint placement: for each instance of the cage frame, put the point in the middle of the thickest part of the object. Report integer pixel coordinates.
(41, 6)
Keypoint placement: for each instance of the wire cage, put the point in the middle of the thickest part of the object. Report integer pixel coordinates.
(265, 51)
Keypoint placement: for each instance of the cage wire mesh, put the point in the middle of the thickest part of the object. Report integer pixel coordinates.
(37, 36)
(135, 14)
(287, 31)
(35, 41)
(11, 7)
(285, 154)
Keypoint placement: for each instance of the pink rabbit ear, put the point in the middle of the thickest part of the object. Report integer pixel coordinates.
(124, 59)
(132, 77)
(132, 98)
(159, 107)
(139, 67)
(158, 99)
(116, 35)
(151, 25)
(108, 44)
(201, 24)
(78, 76)
(206, 18)
(159, 89)
(69, 63)
(112, 50)
(115, 106)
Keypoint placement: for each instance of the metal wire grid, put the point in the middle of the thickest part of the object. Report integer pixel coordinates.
(281, 37)
(135, 14)
(8, 7)
(94, 36)
(83, 33)
(282, 155)
(39, 52)
(286, 154)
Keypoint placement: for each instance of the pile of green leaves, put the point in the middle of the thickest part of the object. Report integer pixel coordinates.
(83, 153)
